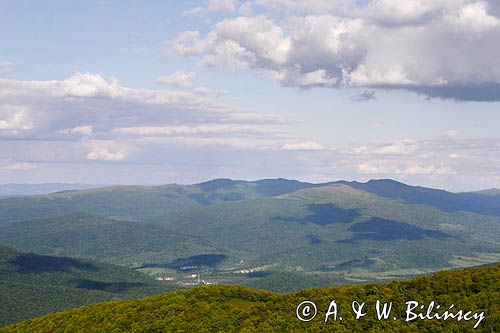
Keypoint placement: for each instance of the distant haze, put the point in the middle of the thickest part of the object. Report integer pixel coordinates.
(15, 190)
(183, 91)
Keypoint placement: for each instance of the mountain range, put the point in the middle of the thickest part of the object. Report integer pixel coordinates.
(274, 234)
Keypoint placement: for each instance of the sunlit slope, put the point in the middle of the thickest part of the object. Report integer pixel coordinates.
(89, 236)
(142, 202)
(483, 202)
(338, 227)
(302, 234)
(237, 309)
(145, 202)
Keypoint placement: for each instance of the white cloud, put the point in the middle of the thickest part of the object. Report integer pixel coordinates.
(88, 121)
(237, 43)
(403, 167)
(361, 150)
(411, 12)
(442, 48)
(181, 79)
(246, 9)
(213, 6)
(90, 117)
(204, 129)
(51, 108)
(305, 6)
(307, 145)
(476, 17)
(221, 6)
(426, 170)
(375, 167)
(82, 130)
(404, 147)
(86, 85)
(101, 153)
(14, 119)
(17, 166)
(456, 156)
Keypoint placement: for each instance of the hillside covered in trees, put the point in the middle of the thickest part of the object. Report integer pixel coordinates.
(232, 308)
(275, 234)
(32, 285)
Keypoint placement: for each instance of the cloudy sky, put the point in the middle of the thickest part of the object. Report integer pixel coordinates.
(153, 92)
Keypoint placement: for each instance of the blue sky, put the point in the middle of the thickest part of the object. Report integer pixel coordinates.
(154, 92)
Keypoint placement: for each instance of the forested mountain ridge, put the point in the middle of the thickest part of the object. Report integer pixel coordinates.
(32, 285)
(238, 309)
(141, 202)
(274, 234)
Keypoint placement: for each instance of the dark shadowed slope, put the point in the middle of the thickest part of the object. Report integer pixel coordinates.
(32, 285)
(477, 202)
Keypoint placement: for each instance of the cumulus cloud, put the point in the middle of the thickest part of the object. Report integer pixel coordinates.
(91, 104)
(237, 43)
(432, 161)
(213, 6)
(221, 5)
(205, 129)
(87, 121)
(426, 170)
(186, 80)
(411, 168)
(374, 167)
(438, 48)
(81, 130)
(88, 117)
(105, 154)
(404, 147)
(178, 79)
(456, 156)
(305, 6)
(14, 119)
(307, 145)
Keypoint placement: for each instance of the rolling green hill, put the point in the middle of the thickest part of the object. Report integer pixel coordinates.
(146, 202)
(277, 234)
(340, 229)
(89, 236)
(32, 285)
(482, 202)
(237, 309)
(133, 203)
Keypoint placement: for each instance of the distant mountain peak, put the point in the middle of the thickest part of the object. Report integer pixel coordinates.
(491, 191)
(219, 183)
